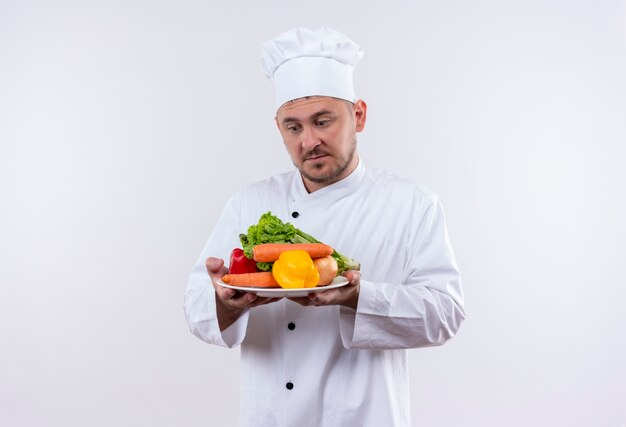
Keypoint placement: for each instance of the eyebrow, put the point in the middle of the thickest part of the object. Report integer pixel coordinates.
(312, 117)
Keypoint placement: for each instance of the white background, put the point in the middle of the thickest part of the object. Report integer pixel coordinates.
(125, 125)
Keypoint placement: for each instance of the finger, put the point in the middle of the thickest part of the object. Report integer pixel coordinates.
(214, 264)
(323, 298)
(224, 293)
(241, 301)
(353, 276)
(215, 268)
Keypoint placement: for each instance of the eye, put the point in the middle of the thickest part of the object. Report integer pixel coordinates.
(293, 128)
(323, 122)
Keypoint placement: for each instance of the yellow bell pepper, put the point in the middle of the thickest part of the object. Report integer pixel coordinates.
(295, 269)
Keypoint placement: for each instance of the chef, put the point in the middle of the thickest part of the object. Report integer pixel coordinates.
(338, 357)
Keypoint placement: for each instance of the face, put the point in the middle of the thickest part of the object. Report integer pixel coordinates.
(320, 136)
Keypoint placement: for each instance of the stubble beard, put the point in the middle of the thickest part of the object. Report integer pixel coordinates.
(332, 175)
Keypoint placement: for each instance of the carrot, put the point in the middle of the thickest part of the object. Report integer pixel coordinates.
(269, 252)
(254, 280)
(327, 267)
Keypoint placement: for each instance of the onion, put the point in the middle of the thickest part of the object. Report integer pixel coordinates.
(327, 267)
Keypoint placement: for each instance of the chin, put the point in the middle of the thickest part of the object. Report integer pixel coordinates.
(319, 178)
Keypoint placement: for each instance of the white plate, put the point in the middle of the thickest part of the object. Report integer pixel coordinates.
(337, 282)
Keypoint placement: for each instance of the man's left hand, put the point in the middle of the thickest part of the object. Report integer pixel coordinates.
(347, 296)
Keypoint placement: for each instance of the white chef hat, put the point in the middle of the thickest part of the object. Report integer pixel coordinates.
(308, 62)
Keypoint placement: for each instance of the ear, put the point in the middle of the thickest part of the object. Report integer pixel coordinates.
(360, 115)
(277, 124)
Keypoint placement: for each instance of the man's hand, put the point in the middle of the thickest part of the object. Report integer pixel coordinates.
(347, 296)
(230, 303)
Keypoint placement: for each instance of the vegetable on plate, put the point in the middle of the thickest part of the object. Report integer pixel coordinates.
(295, 269)
(262, 279)
(239, 263)
(270, 229)
(269, 252)
(276, 254)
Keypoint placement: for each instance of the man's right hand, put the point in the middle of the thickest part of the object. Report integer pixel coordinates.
(230, 303)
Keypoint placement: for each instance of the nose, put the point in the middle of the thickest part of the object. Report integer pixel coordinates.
(308, 138)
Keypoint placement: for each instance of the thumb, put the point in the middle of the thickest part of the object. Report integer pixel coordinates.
(214, 266)
(353, 276)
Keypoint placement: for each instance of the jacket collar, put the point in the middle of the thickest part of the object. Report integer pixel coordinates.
(336, 190)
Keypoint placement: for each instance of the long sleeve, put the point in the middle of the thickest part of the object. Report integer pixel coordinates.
(199, 301)
(426, 308)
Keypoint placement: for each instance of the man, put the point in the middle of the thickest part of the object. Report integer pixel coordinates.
(338, 357)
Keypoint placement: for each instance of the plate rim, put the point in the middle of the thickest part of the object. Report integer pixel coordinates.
(337, 282)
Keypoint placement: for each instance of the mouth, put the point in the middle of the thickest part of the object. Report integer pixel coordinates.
(315, 157)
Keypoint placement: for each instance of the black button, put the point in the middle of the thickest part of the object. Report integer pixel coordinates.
(291, 326)
(295, 214)
(289, 385)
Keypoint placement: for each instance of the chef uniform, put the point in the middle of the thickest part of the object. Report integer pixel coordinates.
(332, 365)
